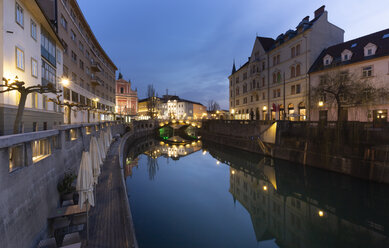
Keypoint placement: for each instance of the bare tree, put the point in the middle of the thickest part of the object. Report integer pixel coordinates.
(152, 167)
(344, 89)
(152, 101)
(69, 105)
(212, 106)
(24, 91)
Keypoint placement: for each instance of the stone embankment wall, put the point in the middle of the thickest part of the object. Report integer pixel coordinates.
(354, 148)
(29, 193)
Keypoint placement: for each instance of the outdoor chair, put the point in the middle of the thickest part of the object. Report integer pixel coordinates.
(47, 243)
(71, 238)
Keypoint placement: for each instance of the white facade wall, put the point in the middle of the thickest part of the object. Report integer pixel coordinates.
(16, 36)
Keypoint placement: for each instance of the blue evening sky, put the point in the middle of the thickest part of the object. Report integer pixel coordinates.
(187, 46)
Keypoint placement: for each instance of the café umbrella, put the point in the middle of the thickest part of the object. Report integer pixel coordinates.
(102, 145)
(96, 161)
(85, 185)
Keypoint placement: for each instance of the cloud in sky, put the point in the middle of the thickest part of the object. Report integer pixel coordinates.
(187, 46)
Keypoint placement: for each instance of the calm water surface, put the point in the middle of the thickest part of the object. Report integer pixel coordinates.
(207, 196)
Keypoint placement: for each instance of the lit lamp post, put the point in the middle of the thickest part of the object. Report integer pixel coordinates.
(232, 113)
(321, 103)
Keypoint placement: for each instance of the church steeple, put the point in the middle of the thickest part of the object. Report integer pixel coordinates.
(233, 67)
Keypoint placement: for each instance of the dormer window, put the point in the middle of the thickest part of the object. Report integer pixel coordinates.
(327, 60)
(346, 55)
(370, 49)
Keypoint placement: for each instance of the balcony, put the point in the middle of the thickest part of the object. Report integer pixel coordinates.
(96, 67)
(95, 80)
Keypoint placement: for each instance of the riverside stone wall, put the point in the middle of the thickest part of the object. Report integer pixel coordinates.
(29, 193)
(356, 149)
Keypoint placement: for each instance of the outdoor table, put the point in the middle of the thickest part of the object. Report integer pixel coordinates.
(67, 211)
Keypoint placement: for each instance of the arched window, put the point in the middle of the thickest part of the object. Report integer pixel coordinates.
(298, 70)
(121, 90)
(292, 72)
(274, 78)
(278, 77)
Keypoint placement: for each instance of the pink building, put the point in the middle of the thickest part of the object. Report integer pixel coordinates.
(126, 98)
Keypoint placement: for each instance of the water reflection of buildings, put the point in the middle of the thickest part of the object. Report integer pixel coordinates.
(174, 151)
(130, 163)
(297, 208)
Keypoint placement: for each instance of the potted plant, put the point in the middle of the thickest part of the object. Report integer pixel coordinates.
(65, 186)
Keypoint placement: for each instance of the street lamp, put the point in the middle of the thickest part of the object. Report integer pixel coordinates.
(321, 103)
(65, 82)
(264, 108)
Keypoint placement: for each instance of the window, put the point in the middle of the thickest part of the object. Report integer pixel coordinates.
(292, 72)
(65, 47)
(245, 76)
(237, 102)
(263, 82)
(292, 52)
(48, 49)
(263, 66)
(278, 77)
(257, 98)
(244, 100)
(44, 102)
(274, 93)
(244, 88)
(345, 57)
(298, 72)
(87, 70)
(34, 100)
(64, 23)
(74, 77)
(66, 93)
(274, 60)
(274, 78)
(367, 71)
(251, 99)
(66, 71)
(74, 96)
(237, 80)
(278, 59)
(81, 46)
(33, 30)
(263, 95)
(72, 15)
(298, 88)
(369, 51)
(19, 58)
(74, 57)
(48, 74)
(327, 62)
(40, 149)
(81, 65)
(278, 92)
(298, 50)
(122, 90)
(34, 68)
(59, 56)
(72, 35)
(19, 15)
(293, 89)
(82, 82)
(237, 90)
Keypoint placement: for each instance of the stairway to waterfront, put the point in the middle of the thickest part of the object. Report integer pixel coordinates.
(108, 222)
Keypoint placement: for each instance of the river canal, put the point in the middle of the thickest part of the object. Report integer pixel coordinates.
(202, 195)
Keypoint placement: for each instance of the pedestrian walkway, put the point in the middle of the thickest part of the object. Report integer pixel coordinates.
(108, 223)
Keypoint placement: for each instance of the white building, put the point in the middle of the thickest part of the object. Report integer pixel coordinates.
(31, 51)
(274, 81)
(365, 58)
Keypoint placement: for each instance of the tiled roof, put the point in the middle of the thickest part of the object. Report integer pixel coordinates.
(356, 46)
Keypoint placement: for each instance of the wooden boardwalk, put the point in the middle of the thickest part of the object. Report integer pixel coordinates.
(108, 222)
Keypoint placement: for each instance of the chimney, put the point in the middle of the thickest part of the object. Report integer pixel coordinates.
(306, 18)
(319, 11)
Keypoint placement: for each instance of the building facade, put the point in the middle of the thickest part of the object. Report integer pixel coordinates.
(32, 52)
(88, 70)
(274, 83)
(126, 98)
(365, 58)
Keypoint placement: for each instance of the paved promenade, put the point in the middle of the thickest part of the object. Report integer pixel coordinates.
(109, 225)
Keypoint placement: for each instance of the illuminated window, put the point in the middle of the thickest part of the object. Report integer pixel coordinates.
(40, 149)
(73, 134)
